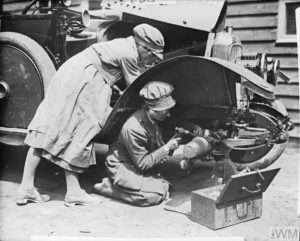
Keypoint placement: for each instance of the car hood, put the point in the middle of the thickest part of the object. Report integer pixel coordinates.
(195, 14)
(198, 81)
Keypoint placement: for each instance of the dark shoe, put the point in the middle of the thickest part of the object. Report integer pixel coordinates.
(82, 199)
(31, 195)
(105, 188)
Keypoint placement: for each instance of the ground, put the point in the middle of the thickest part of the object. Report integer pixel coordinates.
(118, 220)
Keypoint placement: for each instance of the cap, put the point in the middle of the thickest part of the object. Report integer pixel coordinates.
(150, 38)
(157, 95)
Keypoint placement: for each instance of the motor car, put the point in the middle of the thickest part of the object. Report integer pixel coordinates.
(33, 46)
(228, 93)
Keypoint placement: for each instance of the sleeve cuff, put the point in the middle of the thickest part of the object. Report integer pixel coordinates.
(161, 155)
(166, 149)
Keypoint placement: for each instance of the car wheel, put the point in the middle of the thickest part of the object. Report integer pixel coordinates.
(26, 70)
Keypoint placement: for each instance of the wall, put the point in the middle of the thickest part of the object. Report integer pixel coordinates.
(255, 23)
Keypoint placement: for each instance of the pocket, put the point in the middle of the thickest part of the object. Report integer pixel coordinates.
(89, 146)
(62, 138)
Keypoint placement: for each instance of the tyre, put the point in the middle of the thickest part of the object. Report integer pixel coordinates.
(270, 156)
(26, 70)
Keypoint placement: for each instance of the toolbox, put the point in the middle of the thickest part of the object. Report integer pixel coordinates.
(239, 200)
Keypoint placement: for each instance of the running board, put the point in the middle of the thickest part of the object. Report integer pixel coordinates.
(12, 136)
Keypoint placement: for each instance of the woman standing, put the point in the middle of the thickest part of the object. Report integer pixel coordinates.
(76, 107)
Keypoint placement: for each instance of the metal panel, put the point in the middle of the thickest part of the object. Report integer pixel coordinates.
(201, 83)
(245, 185)
(38, 27)
(201, 15)
(255, 82)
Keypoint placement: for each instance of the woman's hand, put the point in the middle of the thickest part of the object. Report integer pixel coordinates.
(172, 144)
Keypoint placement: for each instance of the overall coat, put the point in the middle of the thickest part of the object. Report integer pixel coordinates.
(76, 104)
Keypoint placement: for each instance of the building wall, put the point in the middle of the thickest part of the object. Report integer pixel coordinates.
(255, 22)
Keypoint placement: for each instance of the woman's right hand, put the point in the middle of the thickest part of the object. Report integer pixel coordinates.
(173, 144)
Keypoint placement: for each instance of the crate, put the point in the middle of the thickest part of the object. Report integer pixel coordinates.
(239, 200)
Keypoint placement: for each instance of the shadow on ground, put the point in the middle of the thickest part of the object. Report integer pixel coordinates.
(50, 178)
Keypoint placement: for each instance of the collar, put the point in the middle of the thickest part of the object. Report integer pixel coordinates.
(150, 120)
(132, 43)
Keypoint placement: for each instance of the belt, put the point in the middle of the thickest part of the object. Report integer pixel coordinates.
(94, 57)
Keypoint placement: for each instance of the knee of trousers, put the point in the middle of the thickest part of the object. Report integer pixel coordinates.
(150, 199)
(155, 198)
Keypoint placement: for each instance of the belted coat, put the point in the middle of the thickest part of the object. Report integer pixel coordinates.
(76, 104)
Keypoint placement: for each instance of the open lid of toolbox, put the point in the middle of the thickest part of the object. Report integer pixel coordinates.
(245, 185)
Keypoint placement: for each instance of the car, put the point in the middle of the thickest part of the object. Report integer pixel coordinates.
(33, 46)
(228, 94)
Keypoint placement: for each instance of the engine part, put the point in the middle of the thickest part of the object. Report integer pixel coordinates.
(263, 65)
(224, 169)
(227, 46)
(78, 23)
(197, 147)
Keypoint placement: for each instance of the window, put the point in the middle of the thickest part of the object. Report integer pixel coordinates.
(287, 21)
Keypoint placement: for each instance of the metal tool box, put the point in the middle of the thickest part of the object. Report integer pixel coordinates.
(239, 200)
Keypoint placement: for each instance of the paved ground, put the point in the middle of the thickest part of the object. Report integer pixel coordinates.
(115, 219)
